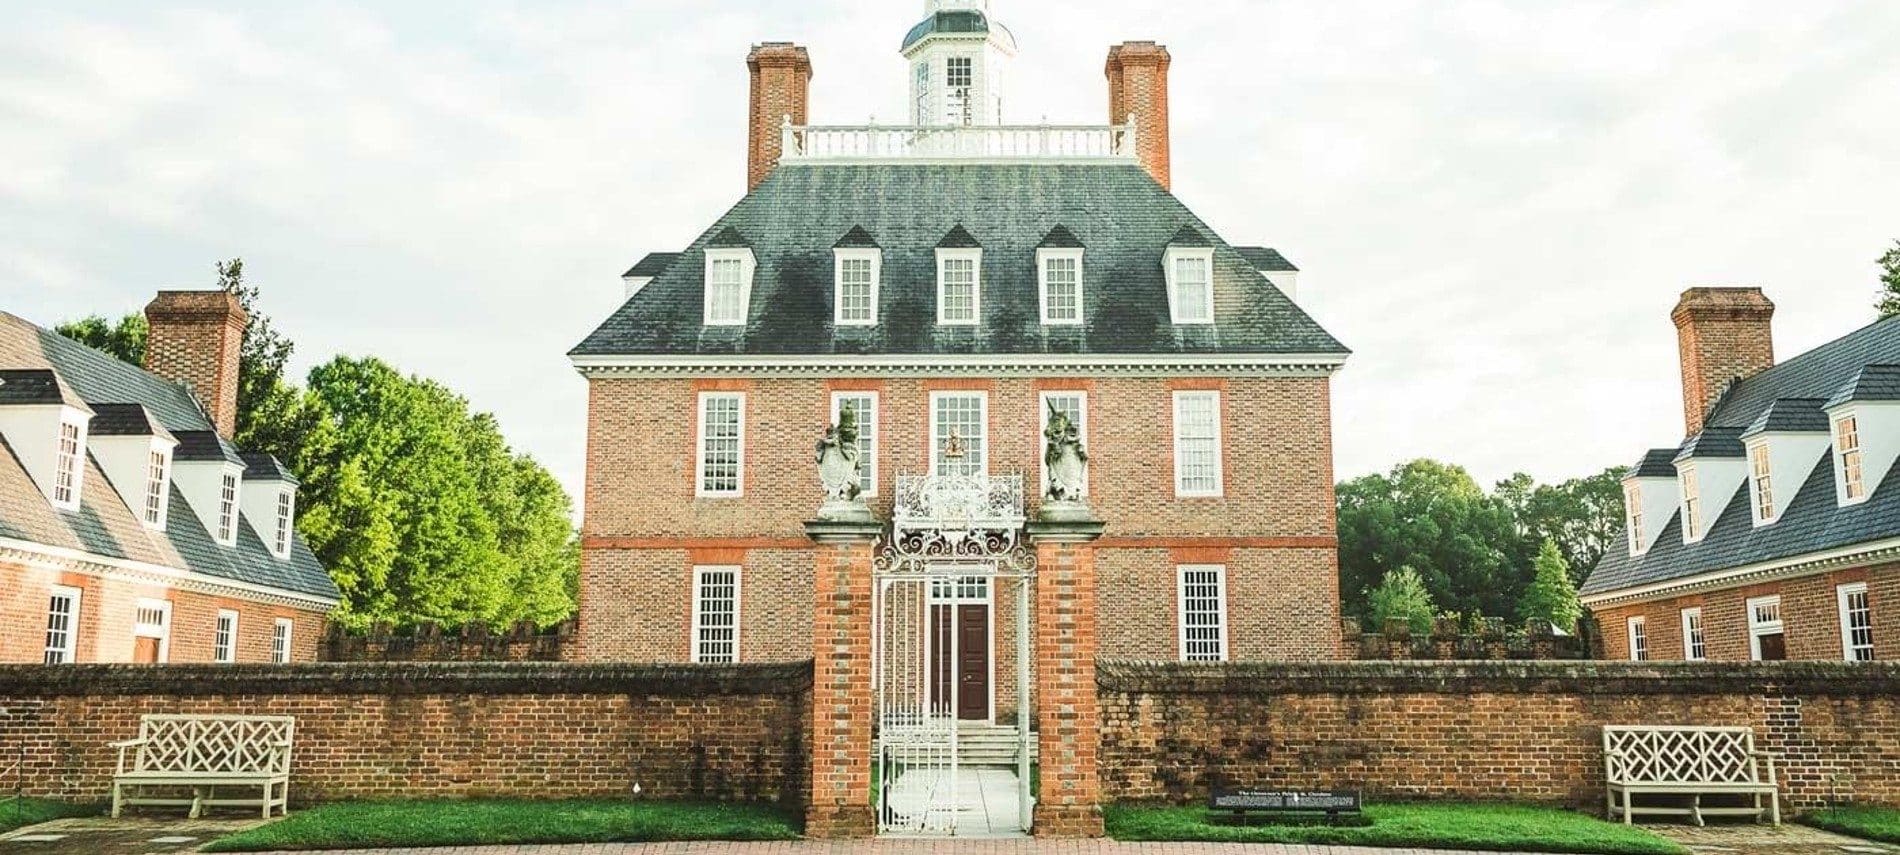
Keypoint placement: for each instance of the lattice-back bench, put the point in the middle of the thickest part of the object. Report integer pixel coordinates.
(1687, 761)
(205, 752)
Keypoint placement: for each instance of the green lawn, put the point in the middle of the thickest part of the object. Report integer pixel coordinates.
(469, 823)
(19, 813)
(1869, 823)
(1497, 828)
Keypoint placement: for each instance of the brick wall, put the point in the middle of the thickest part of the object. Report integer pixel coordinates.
(196, 338)
(1527, 731)
(539, 730)
(1450, 640)
(427, 642)
(1810, 616)
(1722, 335)
(645, 528)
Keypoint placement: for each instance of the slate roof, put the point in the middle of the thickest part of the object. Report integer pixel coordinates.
(206, 445)
(105, 525)
(259, 466)
(1785, 397)
(1713, 442)
(1873, 383)
(1123, 218)
(956, 21)
(1266, 260)
(125, 420)
(35, 386)
(654, 264)
(1656, 463)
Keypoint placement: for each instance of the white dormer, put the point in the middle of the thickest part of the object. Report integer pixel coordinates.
(270, 502)
(1288, 281)
(857, 270)
(959, 279)
(1864, 421)
(210, 475)
(1188, 264)
(46, 425)
(135, 453)
(1783, 446)
(729, 286)
(1650, 497)
(1710, 468)
(1059, 284)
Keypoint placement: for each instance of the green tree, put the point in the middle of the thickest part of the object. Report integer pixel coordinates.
(125, 339)
(1401, 595)
(1582, 515)
(1433, 518)
(1551, 597)
(1889, 304)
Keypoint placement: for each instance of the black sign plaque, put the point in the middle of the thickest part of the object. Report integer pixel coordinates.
(1242, 800)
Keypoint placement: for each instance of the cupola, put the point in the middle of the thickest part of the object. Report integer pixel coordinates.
(958, 57)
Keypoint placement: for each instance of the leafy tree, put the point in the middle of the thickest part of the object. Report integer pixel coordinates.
(1889, 304)
(1582, 515)
(1402, 595)
(1551, 597)
(1433, 518)
(125, 339)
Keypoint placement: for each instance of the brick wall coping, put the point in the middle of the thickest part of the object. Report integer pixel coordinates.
(1837, 679)
(405, 678)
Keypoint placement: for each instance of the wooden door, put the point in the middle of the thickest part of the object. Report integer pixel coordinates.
(145, 650)
(969, 626)
(1774, 648)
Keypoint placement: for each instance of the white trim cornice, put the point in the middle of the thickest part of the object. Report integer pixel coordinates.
(965, 365)
(1781, 568)
(62, 558)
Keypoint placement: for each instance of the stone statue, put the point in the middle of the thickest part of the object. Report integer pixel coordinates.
(1064, 459)
(838, 460)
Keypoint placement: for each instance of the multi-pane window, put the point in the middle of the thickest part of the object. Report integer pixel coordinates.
(725, 291)
(956, 291)
(1633, 508)
(1193, 293)
(157, 477)
(227, 509)
(285, 511)
(66, 466)
(922, 70)
(280, 640)
(958, 72)
(1694, 648)
(957, 429)
(857, 290)
(224, 637)
(1767, 641)
(1847, 442)
(864, 406)
(62, 625)
(1691, 504)
(1075, 405)
(1203, 600)
(1639, 639)
(1857, 623)
(721, 443)
(1062, 289)
(1197, 463)
(716, 614)
(1762, 476)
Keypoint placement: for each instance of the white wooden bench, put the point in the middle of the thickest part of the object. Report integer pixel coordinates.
(205, 752)
(1687, 761)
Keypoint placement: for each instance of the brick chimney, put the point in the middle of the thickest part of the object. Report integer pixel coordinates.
(781, 86)
(196, 337)
(1138, 86)
(1724, 335)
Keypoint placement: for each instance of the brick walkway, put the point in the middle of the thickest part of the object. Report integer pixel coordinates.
(968, 846)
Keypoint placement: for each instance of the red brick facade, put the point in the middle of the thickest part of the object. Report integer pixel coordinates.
(1138, 88)
(1724, 335)
(1810, 615)
(196, 338)
(780, 87)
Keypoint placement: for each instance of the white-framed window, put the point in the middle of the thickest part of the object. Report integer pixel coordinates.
(1694, 647)
(1766, 634)
(958, 72)
(1847, 444)
(280, 637)
(1639, 639)
(1191, 285)
(1197, 451)
(1633, 516)
(716, 614)
(1203, 612)
(1060, 274)
(864, 406)
(1857, 622)
(228, 509)
(959, 286)
(721, 470)
(62, 625)
(286, 512)
(856, 273)
(1691, 503)
(153, 619)
(1075, 405)
(66, 467)
(728, 286)
(959, 423)
(224, 637)
(1761, 479)
(158, 468)
(922, 72)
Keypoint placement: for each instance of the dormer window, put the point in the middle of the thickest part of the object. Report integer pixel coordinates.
(1691, 504)
(66, 465)
(959, 279)
(1761, 481)
(1190, 284)
(1059, 277)
(726, 291)
(285, 511)
(1847, 444)
(856, 270)
(157, 488)
(1633, 515)
(228, 509)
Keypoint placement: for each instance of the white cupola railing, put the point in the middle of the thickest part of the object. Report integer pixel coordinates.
(847, 143)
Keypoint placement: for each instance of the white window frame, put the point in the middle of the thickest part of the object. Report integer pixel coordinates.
(1181, 611)
(699, 626)
(224, 637)
(286, 517)
(1633, 516)
(1043, 259)
(229, 484)
(1638, 628)
(1081, 425)
(283, 633)
(747, 266)
(1843, 597)
(156, 503)
(69, 464)
(699, 468)
(1695, 643)
(867, 434)
(1690, 483)
(983, 421)
(1761, 483)
(841, 255)
(974, 255)
(1850, 460)
(1181, 489)
(67, 651)
(1759, 628)
(1171, 260)
(162, 630)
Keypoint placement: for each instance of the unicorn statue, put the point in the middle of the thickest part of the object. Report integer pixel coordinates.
(1064, 459)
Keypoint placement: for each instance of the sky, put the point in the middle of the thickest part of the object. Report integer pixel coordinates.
(1494, 204)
